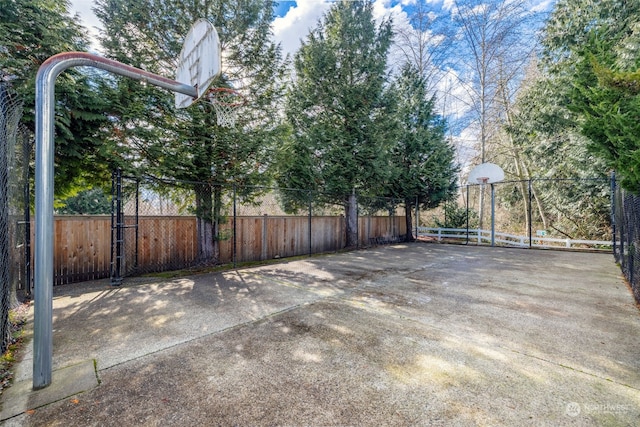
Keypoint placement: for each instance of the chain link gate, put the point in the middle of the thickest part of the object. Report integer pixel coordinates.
(124, 229)
(15, 152)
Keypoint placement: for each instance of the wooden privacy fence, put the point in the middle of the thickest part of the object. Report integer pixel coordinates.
(82, 244)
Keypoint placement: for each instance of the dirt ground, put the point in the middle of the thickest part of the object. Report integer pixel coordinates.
(408, 334)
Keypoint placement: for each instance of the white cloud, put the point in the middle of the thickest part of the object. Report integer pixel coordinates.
(305, 15)
(542, 5)
(454, 99)
(87, 18)
(466, 147)
(382, 9)
(448, 5)
(290, 29)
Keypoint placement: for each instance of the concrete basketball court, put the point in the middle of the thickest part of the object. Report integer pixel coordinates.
(408, 334)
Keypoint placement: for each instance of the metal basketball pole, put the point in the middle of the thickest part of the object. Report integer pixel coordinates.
(493, 216)
(467, 208)
(44, 168)
(530, 214)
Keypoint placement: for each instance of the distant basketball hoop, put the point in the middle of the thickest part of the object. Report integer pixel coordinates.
(486, 173)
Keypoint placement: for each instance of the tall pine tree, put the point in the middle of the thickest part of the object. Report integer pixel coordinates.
(31, 31)
(188, 144)
(590, 54)
(422, 158)
(337, 110)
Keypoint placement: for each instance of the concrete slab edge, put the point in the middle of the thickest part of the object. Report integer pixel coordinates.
(66, 382)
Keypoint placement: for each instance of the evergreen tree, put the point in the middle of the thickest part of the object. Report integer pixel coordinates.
(422, 158)
(590, 50)
(337, 110)
(606, 96)
(545, 129)
(153, 137)
(31, 31)
(548, 144)
(87, 202)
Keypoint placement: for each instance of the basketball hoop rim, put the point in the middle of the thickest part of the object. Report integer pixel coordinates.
(213, 92)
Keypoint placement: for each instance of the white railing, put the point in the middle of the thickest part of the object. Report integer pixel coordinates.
(505, 239)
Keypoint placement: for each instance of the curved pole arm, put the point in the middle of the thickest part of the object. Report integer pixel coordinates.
(44, 168)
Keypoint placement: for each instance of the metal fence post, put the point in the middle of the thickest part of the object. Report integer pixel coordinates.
(112, 226)
(530, 214)
(26, 152)
(310, 219)
(622, 226)
(137, 225)
(264, 244)
(235, 229)
(630, 261)
(467, 207)
(117, 244)
(417, 216)
(613, 214)
(357, 219)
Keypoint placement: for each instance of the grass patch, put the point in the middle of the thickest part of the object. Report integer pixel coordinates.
(17, 320)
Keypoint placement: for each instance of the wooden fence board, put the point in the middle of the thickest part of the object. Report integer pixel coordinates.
(82, 244)
(81, 248)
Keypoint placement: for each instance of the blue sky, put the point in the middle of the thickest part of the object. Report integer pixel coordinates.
(283, 6)
(292, 23)
(294, 19)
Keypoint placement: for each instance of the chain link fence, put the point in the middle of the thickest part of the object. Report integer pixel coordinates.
(14, 211)
(162, 225)
(530, 211)
(626, 236)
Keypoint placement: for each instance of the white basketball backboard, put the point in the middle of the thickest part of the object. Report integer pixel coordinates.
(486, 173)
(200, 60)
